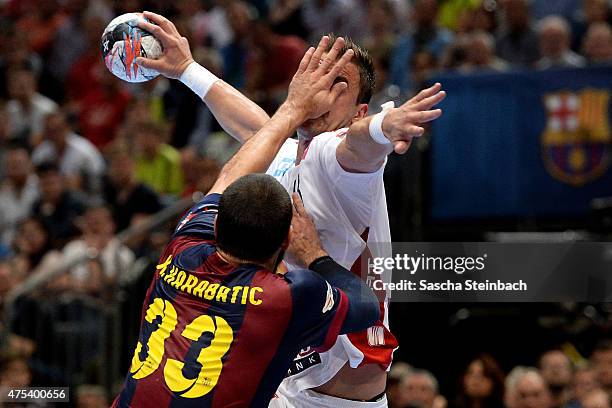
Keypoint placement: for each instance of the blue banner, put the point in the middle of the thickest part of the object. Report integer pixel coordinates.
(522, 144)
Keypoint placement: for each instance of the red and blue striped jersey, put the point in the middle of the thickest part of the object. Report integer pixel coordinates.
(214, 334)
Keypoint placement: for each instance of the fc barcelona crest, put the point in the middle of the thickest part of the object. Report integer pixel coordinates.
(576, 142)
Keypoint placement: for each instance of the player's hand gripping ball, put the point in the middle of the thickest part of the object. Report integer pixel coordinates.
(122, 42)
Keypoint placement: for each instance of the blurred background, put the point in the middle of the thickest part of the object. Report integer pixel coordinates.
(95, 172)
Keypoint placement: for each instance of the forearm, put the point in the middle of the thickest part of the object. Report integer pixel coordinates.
(363, 309)
(240, 117)
(258, 152)
(358, 152)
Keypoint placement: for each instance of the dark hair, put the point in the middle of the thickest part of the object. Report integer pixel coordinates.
(18, 144)
(603, 346)
(25, 66)
(254, 217)
(493, 372)
(362, 59)
(46, 168)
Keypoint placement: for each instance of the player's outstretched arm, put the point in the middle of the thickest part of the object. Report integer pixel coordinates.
(305, 249)
(311, 93)
(370, 140)
(238, 115)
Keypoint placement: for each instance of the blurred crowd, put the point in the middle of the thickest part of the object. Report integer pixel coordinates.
(556, 381)
(84, 155)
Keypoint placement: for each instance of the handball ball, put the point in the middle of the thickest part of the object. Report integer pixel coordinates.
(122, 42)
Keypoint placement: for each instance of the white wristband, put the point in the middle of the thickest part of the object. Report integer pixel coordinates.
(198, 79)
(376, 132)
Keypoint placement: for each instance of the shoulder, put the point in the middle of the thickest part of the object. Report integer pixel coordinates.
(74, 247)
(200, 219)
(80, 143)
(12, 106)
(326, 140)
(41, 151)
(44, 104)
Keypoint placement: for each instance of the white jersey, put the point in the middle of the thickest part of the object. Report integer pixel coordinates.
(344, 206)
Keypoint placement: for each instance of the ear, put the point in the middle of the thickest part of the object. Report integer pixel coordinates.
(362, 112)
(286, 241)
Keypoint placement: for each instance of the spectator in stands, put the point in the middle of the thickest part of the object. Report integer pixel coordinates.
(554, 39)
(8, 279)
(79, 161)
(545, 8)
(584, 381)
(31, 244)
(18, 192)
(285, 17)
(14, 372)
(200, 172)
(602, 364)
(191, 18)
(27, 108)
(158, 164)
(98, 233)
(525, 388)
(597, 398)
(240, 17)
(382, 27)
(58, 206)
(73, 32)
(385, 91)
(556, 369)
(481, 53)
(482, 384)
(480, 18)
(16, 52)
(270, 81)
(91, 396)
(396, 375)
(100, 103)
(195, 134)
(213, 27)
(419, 388)
(344, 17)
(592, 12)
(126, 196)
(41, 21)
(517, 40)
(424, 35)
(5, 134)
(597, 44)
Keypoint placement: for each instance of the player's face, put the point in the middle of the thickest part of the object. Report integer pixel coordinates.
(345, 110)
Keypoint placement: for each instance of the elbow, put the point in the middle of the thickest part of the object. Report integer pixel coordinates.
(371, 311)
(362, 313)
